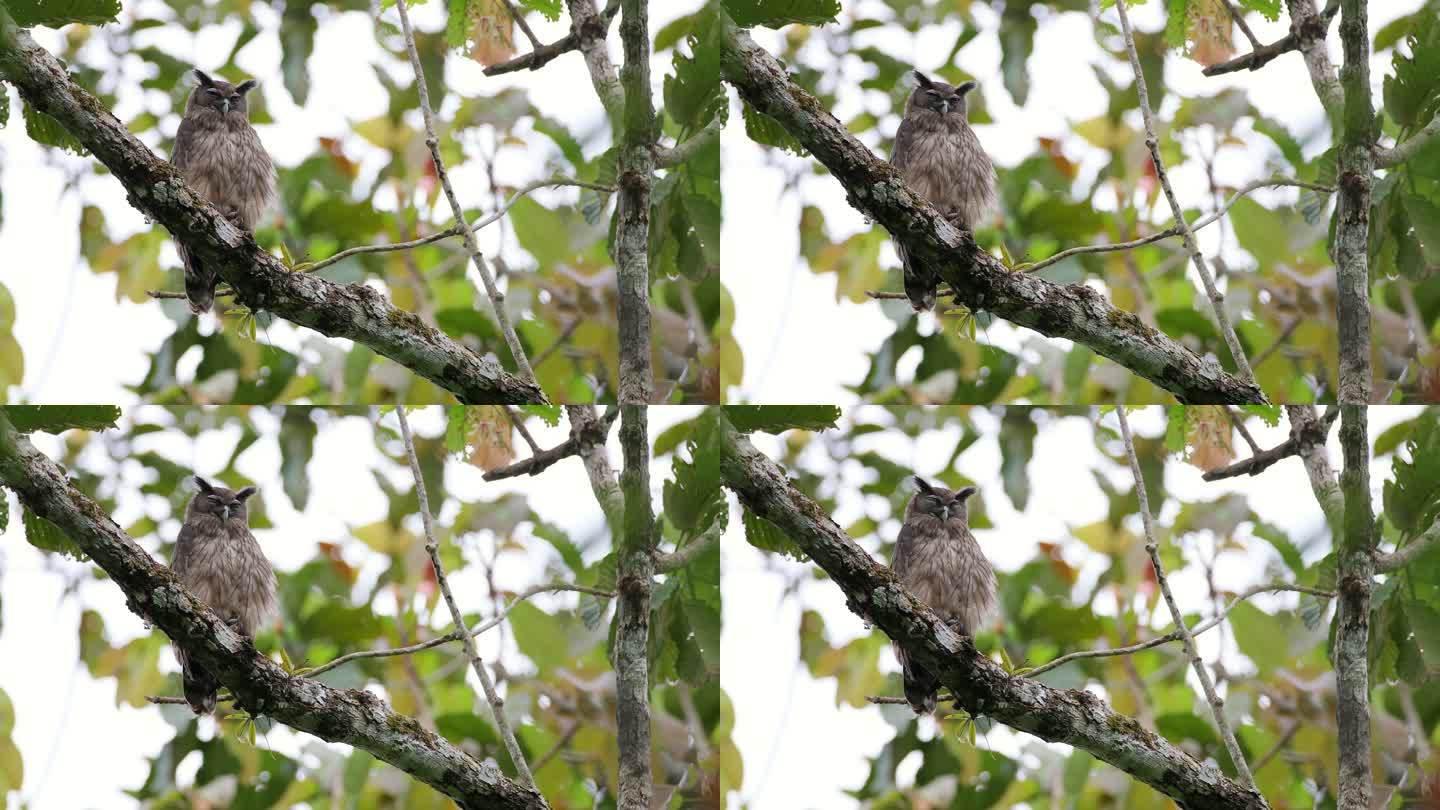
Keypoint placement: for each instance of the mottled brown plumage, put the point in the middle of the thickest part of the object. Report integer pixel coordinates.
(938, 560)
(218, 560)
(223, 160)
(940, 158)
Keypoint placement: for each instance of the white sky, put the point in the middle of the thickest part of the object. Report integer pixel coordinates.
(799, 749)
(786, 316)
(81, 345)
(63, 716)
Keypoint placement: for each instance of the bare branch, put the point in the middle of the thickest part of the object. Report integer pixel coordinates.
(1301, 31)
(262, 687)
(1174, 230)
(597, 466)
(1071, 716)
(432, 548)
(454, 635)
(263, 282)
(497, 298)
(1174, 635)
(1187, 639)
(681, 557)
(582, 435)
(590, 31)
(1401, 152)
(666, 158)
(1075, 312)
(544, 54)
(311, 267)
(1404, 555)
(1302, 435)
(1217, 299)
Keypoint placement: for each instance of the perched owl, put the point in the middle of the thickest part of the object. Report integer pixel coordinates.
(219, 561)
(223, 160)
(940, 158)
(938, 560)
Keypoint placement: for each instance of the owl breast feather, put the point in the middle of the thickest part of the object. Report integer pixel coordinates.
(231, 169)
(949, 168)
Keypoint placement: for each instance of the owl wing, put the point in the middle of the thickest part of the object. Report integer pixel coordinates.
(184, 151)
(184, 551)
(904, 149)
(904, 550)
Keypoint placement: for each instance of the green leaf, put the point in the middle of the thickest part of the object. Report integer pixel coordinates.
(1425, 624)
(549, 414)
(766, 536)
(777, 13)
(43, 129)
(60, 418)
(780, 418)
(1017, 40)
(55, 13)
(694, 95)
(1017, 447)
(1412, 496)
(46, 536)
(1261, 636)
(562, 543)
(540, 636)
(1269, 414)
(297, 42)
(1412, 93)
(694, 499)
(4, 104)
(4, 509)
(1269, 9)
(297, 445)
(549, 9)
(765, 130)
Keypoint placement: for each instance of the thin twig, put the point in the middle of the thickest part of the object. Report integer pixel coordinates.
(1261, 55)
(520, 21)
(1400, 557)
(454, 230)
(497, 704)
(1174, 230)
(544, 54)
(1279, 745)
(1187, 640)
(559, 341)
(557, 747)
(1239, 424)
(1301, 437)
(1401, 152)
(1279, 341)
(497, 298)
(1217, 299)
(518, 423)
(1174, 635)
(666, 158)
(1243, 26)
(679, 558)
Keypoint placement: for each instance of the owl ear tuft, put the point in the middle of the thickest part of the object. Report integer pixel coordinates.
(921, 484)
(202, 77)
(965, 493)
(921, 80)
(965, 87)
(246, 86)
(244, 493)
(203, 485)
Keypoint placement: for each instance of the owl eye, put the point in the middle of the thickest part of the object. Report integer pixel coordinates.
(212, 91)
(234, 96)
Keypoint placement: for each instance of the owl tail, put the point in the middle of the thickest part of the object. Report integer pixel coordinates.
(200, 687)
(919, 282)
(199, 288)
(920, 686)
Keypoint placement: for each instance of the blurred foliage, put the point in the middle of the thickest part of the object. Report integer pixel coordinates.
(1092, 586)
(376, 184)
(1095, 184)
(372, 587)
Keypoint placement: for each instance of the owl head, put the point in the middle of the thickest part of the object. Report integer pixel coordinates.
(220, 96)
(223, 504)
(939, 502)
(938, 97)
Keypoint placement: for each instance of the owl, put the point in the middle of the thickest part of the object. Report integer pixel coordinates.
(218, 560)
(222, 159)
(941, 160)
(938, 560)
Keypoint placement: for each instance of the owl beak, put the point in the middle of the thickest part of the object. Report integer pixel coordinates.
(224, 105)
(945, 107)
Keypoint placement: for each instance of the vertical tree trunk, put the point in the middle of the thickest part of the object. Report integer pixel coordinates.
(1352, 633)
(632, 631)
(1352, 230)
(632, 233)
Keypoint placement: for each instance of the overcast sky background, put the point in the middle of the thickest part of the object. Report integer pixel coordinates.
(65, 717)
(786, 316)
(800, 750)
(81, 345)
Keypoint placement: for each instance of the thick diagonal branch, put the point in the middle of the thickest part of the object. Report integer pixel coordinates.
(1075, 312)
(351, 716)
(1071, 716)
(261, 281)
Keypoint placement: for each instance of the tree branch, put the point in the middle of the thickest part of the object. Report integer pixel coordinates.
(1403, 556)
(1315, 26)
(681, 557)
(598, 469)
(670, 157)
(1401, 152)
(1354, 571)
(1356, 164)
(263, 282)
(544, 54)
(582, 435)
(1301, 30)
(1317, 463)
(351, 716)
(590, 30)
(1173, 230)
(1071, 716)
(1301, 435)
(632, 225)
(1187, 639)
(432, 548)
(635, 573)
(497, 298)
(1075, 312)
(1217, 298)
(1174, 635)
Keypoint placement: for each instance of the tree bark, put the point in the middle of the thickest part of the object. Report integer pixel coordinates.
(632, 231)
(260, 686)
(981, 686)
(632, 627)
(1356, 166)
(1074, 311)
(261, 281)
(1354, 572)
